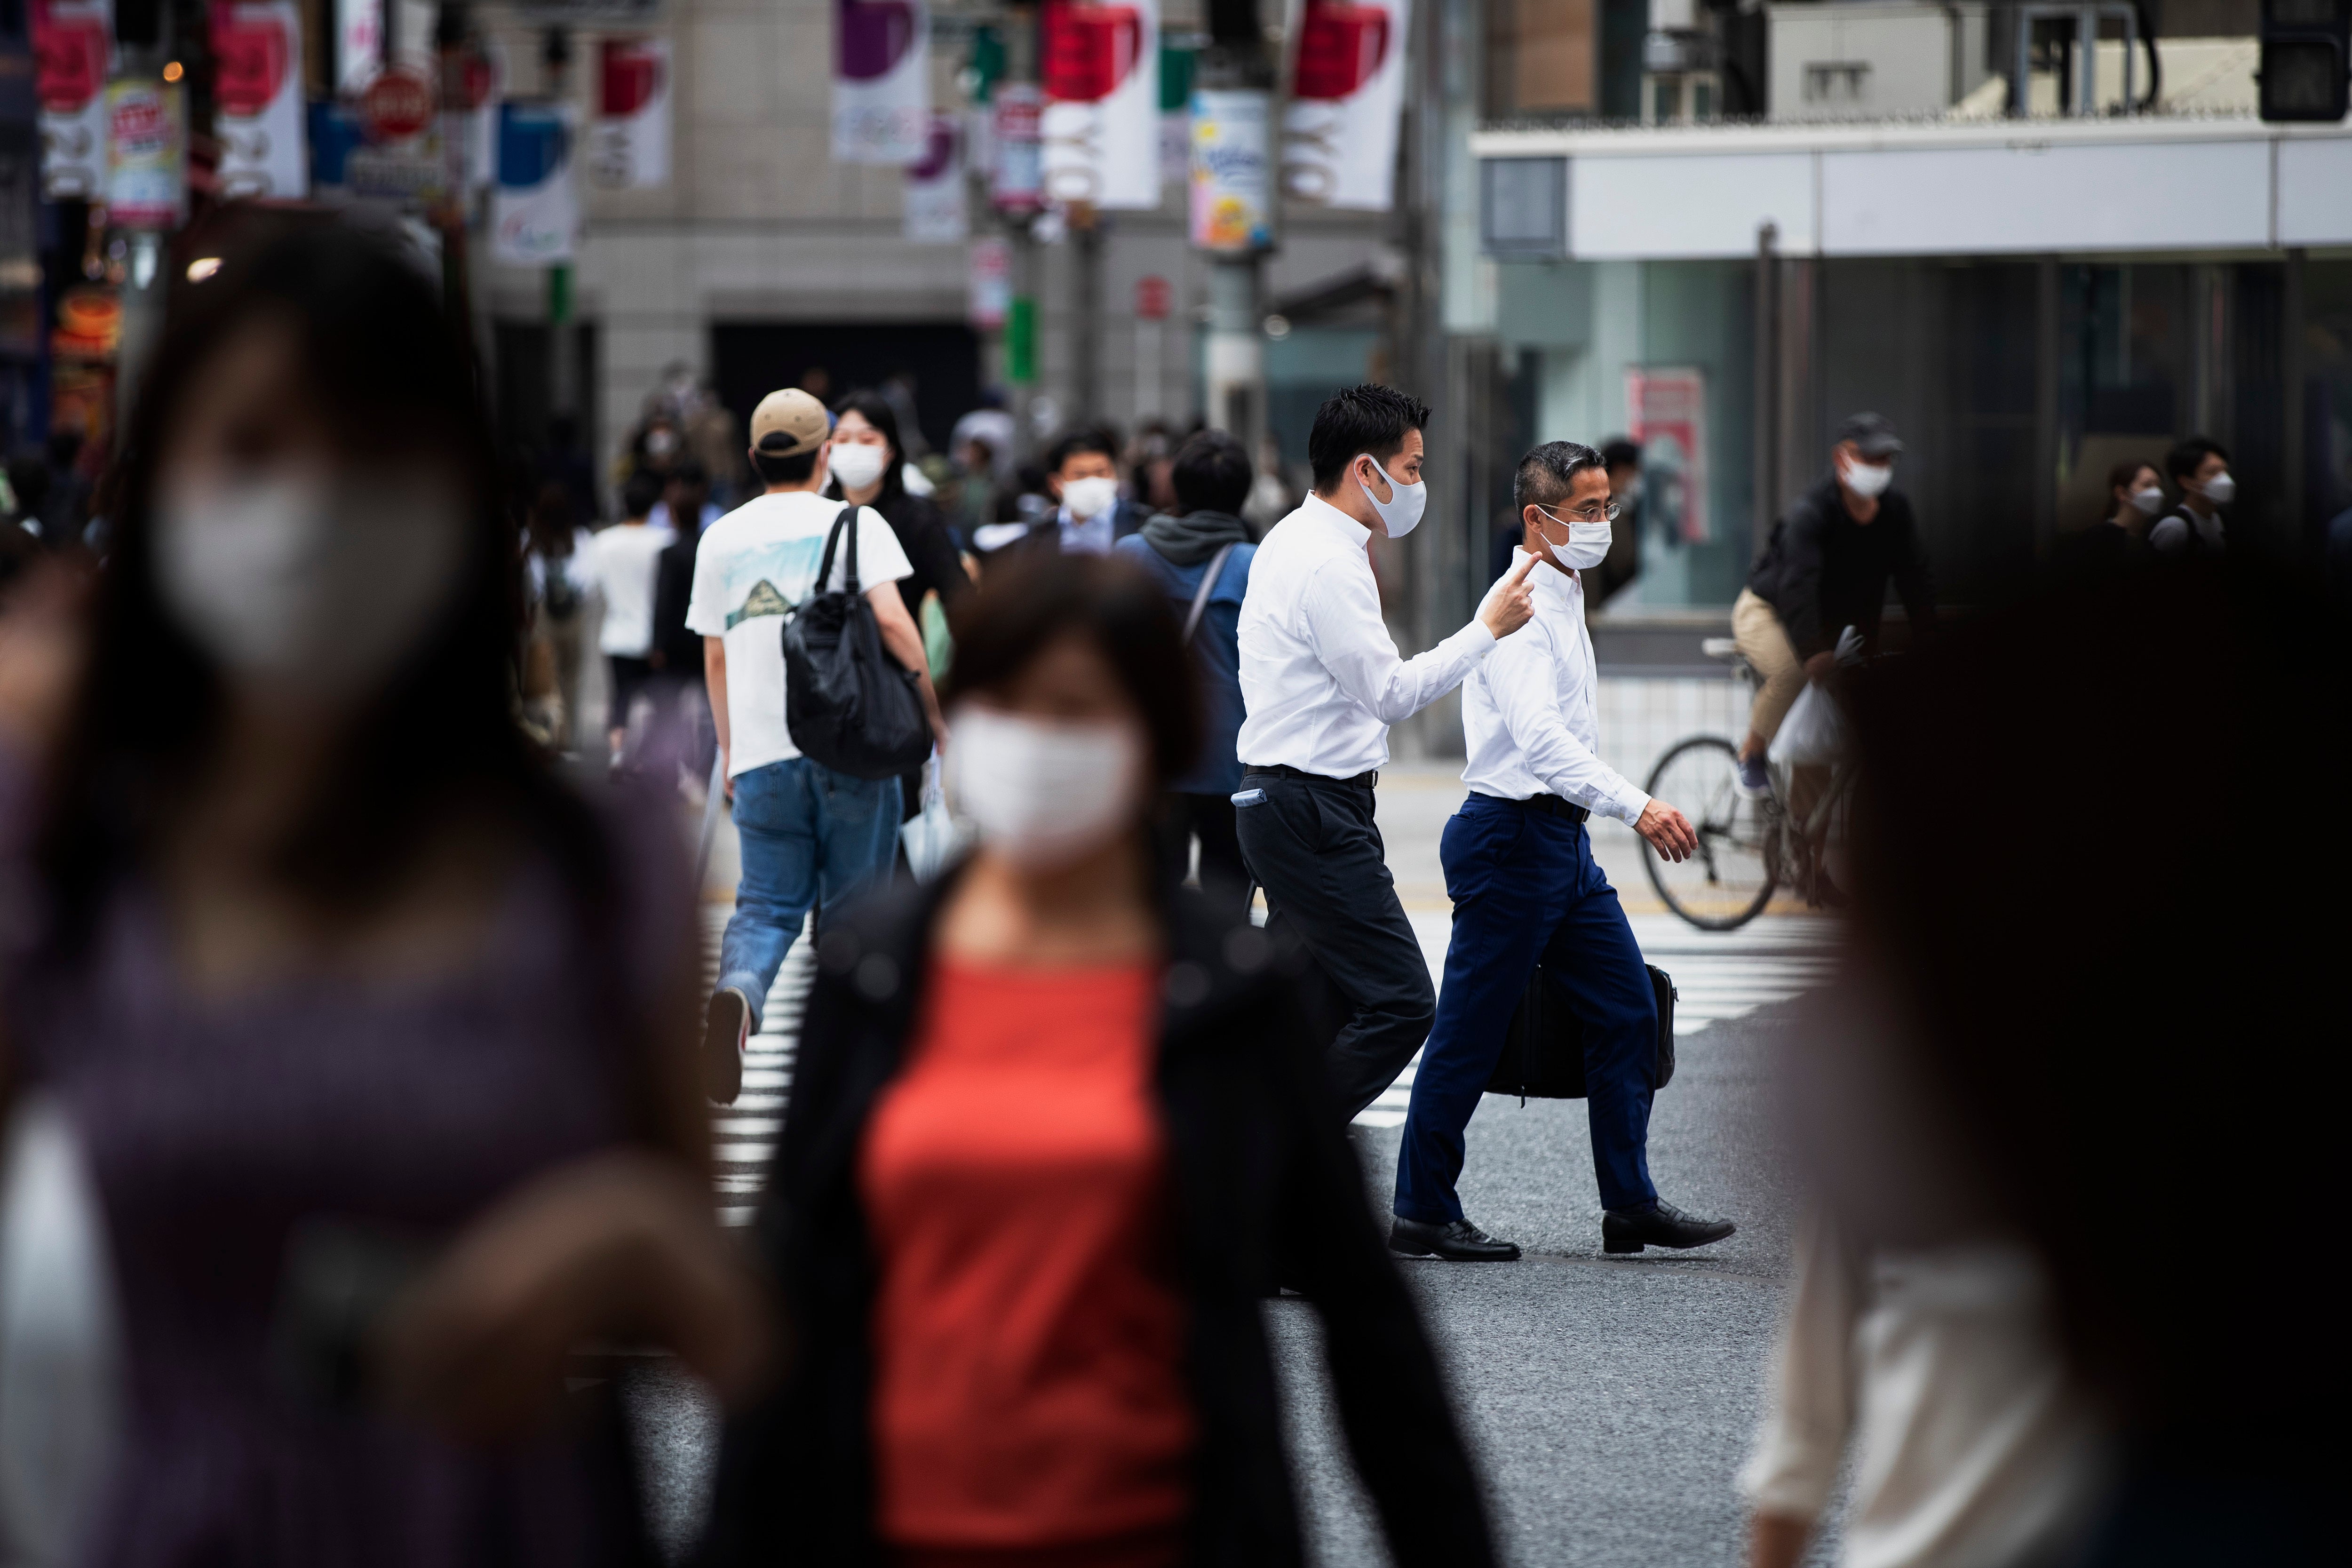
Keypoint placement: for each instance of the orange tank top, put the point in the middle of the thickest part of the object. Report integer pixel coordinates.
(1028, 1336)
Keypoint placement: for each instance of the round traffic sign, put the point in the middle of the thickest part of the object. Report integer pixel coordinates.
(396, 106)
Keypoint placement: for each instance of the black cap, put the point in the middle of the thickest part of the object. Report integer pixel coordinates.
(1872, 435)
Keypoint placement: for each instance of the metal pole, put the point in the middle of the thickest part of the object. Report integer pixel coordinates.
(1085, 329)
(1768, 383)
(2087, 50)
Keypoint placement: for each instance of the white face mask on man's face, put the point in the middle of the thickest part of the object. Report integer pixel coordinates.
(1588, 542)
(1089, 497)
(1402, 514)
(314, 584)
(857, 466)
(1045, 795)
(1868, 478)
(2220, 490)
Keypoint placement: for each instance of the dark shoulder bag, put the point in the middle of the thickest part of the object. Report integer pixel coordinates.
(1543, 1051)
(849, 706)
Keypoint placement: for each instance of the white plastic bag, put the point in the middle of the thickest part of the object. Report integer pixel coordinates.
(931, 836)
(1813, 731)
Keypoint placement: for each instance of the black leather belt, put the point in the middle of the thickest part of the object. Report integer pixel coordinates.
(1280, 771)
(1552, 805)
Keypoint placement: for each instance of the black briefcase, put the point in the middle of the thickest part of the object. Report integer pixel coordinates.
(1543, 1051)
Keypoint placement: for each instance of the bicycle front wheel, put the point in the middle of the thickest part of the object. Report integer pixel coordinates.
(1728, 881)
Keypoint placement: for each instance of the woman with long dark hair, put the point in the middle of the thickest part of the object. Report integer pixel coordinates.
(1056, 1129)
(375, 1033)
(868, 467)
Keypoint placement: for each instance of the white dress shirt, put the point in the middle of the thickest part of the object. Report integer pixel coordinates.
(1092, 536)
(1531, 713)
(1321, 679)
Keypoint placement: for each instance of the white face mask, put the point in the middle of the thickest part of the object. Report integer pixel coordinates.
(1089, 498)
(2220, 490)
(1401, 515)
(1868, 478)
(1587, 546)
(1043, 794)
(857, 467)
(2150, 501)
(314, 584)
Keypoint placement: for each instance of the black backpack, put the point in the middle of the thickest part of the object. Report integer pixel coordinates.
(848, 705)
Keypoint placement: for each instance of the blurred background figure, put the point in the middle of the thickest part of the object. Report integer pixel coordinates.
(555, 592)
(2134, 499)
(686, 503)
(621, 563)
(2001, 1116)
(991, 422)
(1055, 1117)
(2199, 468)
(372, 1028)
(1200, 553)
(1151, 456)
(1623, 561)
(1272, 496)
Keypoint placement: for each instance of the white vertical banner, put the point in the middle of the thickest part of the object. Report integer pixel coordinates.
(881, 82)
(535, 210)
(1100, 63)
(485, 85)
(991, 282)
(629, 147)
(359, 44)
(73, 45)
(1339, 131)
(936, 212)
(258, 112)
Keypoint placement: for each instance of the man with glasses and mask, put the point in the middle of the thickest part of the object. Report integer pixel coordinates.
(1321, 682)
(1519, 868)
(1824, 569)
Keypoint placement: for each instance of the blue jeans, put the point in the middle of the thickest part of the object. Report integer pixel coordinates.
(1524, 887)
(811, 836)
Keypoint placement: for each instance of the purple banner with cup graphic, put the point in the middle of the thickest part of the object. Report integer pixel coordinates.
(881, 82)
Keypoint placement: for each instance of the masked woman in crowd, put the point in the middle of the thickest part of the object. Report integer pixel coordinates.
(1054, 1132)
(371, 1030)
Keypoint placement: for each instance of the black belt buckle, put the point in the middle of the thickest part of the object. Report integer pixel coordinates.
(1552, 805)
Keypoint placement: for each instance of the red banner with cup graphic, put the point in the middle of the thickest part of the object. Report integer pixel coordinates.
(73, 45)
(629, 146)
(1347, 96)
(1100, 66)
(257, 97)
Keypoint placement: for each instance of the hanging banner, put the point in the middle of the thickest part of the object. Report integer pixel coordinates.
(1101, 130)
(1666, 409)
(1175, 114)
(991, 282)
(146, 155)
(73, 43)
(258, 110)
(1232, 189)
(535, 210)
(629, 147)
(486, 84)
(359, 44)
(1339, 131)
(1016, 177)
(935, 188)
(881, 82)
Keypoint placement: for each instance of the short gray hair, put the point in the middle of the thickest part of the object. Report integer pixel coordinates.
(1547, 474)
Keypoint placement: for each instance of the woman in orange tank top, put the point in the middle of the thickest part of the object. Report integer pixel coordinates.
(1055, 1130)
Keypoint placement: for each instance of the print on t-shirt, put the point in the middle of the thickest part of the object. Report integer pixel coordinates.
(763, 600)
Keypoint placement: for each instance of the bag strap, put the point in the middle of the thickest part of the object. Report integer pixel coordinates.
(1208, 585)
(848, 520)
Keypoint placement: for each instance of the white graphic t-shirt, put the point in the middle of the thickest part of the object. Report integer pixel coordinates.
(755, 566)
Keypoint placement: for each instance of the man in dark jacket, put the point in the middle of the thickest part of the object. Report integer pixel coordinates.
(1824, 569)
(1211, 479)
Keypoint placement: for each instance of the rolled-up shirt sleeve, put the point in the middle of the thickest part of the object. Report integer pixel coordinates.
(1342, 614)
(1523, 676)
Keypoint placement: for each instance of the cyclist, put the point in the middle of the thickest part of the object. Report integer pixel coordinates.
(1825, 568)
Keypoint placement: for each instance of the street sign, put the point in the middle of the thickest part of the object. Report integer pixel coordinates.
(1152, 296)
(397, 105)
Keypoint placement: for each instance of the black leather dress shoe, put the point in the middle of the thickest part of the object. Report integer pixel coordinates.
(1630, 1230)
(1457, 1240)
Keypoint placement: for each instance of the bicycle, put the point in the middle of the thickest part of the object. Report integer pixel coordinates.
(1748, 849)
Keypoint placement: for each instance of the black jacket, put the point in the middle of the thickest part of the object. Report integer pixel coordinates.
(1258, 1162)
(930, 550)
(680, 647)
(1821, 571)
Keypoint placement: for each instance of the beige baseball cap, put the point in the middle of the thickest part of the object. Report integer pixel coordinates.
(788, 422)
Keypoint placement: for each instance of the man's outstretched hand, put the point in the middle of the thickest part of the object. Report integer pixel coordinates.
(1668, 830)
(1510, 604)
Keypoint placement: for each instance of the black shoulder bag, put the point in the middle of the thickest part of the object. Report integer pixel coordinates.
(848, 705)
(1543, 1051)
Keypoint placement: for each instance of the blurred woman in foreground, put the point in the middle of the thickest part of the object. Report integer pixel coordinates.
(371, 1029)
(1054, 1130)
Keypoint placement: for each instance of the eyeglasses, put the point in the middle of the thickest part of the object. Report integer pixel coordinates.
(1609, 513)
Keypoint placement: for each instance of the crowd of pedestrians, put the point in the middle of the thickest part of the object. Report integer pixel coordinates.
(375, 1027)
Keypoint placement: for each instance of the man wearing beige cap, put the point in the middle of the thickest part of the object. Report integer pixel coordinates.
(811, 836)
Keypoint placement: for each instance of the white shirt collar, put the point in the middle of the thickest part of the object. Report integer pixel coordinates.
(1316, 506)
(1549, 579)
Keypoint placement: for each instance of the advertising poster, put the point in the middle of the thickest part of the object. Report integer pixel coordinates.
(629, 147)
(1231, 190)
(1668, 412)
(1100, 130)
(358, 43)
(73, 43)
(535, 208)
(935, 211)
(881, 82)
(146, 155)
(257, 109)
(1339, 131)
(991, 282)
(1016, 177)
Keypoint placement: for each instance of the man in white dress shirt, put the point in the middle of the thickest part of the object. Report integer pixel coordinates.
(1519, 868)
(1321, 683)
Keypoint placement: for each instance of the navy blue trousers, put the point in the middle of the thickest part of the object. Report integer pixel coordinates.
(1524, 887)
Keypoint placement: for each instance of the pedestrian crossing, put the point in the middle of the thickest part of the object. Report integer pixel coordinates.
(1718, 975)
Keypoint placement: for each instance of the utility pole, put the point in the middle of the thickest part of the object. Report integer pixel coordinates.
(1024, 104)
(563, 344)
(1233, 112)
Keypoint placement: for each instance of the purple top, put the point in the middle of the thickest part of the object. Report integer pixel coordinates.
(213, 1127)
